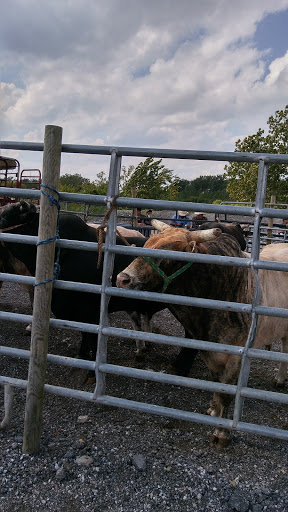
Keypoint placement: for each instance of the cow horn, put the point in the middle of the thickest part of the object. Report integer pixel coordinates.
(159, 225)
(24, 206)
(204, 235)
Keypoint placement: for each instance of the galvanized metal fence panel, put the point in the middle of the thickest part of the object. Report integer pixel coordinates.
(101, 367)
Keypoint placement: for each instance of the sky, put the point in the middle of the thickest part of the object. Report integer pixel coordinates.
(185, 74)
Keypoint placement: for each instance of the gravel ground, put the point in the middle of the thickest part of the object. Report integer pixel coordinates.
(95, 458)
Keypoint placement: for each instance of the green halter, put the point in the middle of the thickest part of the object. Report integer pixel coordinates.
(167, 279)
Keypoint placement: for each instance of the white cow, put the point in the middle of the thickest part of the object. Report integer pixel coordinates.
(123, 231)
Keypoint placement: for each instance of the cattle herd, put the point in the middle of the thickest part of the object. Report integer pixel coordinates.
(200, 280)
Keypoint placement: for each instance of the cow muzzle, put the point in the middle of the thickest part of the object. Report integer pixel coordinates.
(124, 280)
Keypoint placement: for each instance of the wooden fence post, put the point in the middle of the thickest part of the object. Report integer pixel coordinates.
(43, 292)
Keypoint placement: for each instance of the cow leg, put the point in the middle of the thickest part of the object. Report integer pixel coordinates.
(282, 372)
(220, 407)
(221, 402)
(30, 290)
(88, 349)
(8, 404)
(88, 346)
(141, 347)
(183, 362)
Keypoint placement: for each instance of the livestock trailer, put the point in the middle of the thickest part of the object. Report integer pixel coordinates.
(11, 175)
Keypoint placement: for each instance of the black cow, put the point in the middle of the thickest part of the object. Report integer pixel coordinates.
(10, 264)
(78, 266)
(230, 229)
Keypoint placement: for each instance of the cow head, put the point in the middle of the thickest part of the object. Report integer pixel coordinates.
(146, 273)
(18, 213)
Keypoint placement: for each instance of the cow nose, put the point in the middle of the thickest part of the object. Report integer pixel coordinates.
(123, 280)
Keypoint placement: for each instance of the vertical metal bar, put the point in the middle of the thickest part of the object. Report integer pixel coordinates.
(108, 265)
(255, 249)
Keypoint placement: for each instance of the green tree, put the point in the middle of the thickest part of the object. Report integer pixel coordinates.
(204, 189)
(75, 183)
(242, 176)
(152, 180)
(72, 182)
(97, 187)
(125, 176)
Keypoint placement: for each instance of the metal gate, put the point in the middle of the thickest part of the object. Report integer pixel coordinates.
(100, 395)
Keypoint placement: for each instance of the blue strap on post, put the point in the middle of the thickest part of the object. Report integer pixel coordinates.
(55, 202)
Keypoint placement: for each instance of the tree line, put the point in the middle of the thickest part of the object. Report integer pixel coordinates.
(153, 180)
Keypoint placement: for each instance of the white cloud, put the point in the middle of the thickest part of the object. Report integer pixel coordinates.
(184, 75)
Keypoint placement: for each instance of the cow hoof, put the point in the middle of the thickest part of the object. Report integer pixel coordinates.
(90, 378)
(280, 384)
(219, 440)
(211, 412)
(89, 381)
(28, 330)
(180, 371)
(139, 359)
(176, 371)
(141, 352)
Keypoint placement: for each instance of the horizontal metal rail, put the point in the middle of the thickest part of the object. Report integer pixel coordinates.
(184, 300)
(152, 296)
(59, 324)
(193, 417)
(166, 378)
(66, 244)
(51, 358)
(200, 258)
(55, 390)
(188, 382)
(59, 284)
(208, 346)
(156, 253)
(153, 152)
(140, 335)
(154, 409)
(155, 204)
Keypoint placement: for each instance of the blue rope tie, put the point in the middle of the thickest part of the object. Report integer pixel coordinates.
(56, 203)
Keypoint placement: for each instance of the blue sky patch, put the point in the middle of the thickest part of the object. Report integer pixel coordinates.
(271, 34)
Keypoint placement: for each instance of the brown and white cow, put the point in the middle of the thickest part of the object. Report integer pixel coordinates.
(211, 281)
